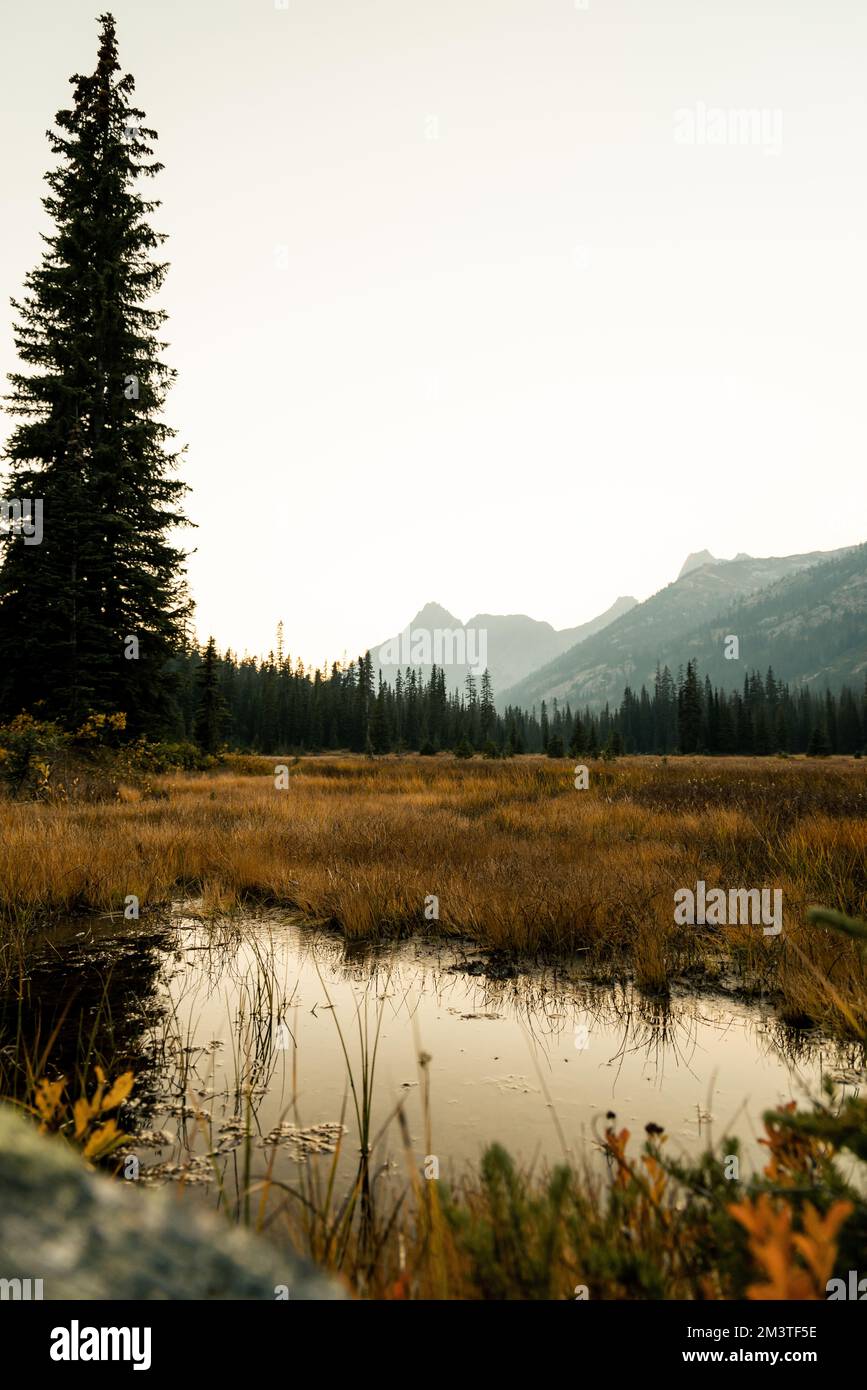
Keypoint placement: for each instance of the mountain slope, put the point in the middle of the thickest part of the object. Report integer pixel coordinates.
(660, 629)
(810, 626)
(512, 646)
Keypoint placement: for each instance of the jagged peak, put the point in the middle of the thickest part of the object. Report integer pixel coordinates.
(696, 560)
(434, 615)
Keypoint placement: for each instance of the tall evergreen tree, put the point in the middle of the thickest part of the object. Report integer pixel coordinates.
(487, 712)
(819, 745)
(577, 740)
(89, 443)
(689, 712)
(380, 734)
(211, 710)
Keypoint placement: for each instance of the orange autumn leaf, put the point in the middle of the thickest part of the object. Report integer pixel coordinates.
(818, 1245)
(615, 1146)
(658, 1177)
(775, 1246)
(791, 1154)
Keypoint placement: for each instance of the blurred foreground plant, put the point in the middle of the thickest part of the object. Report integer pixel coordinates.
(83, 1121)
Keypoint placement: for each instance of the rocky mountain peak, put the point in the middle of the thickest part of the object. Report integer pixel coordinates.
(696, 560)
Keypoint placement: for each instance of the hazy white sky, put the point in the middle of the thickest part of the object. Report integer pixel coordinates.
(458, 312)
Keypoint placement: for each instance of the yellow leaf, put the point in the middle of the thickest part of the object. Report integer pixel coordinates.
(119, 1091)
(84, 1113)
(47, 1098)
(103, 1140)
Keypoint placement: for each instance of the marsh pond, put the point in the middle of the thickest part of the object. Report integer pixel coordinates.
(266, 1045)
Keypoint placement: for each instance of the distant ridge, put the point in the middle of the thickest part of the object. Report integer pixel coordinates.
(515, 644)
(805, 615)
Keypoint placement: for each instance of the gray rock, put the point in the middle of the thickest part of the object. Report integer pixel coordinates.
(86, 1235)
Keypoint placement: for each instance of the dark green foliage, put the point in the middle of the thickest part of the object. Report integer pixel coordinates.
(689, 711)
(211, 711)
(379, 732)
(28, 747)
(278, 708)
(614, 746)
(577, 739)
(40, 761)
(487, 713)
(819, 745)
(513, 1242)
(89, 442)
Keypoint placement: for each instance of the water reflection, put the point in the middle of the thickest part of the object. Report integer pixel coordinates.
(260, 1046)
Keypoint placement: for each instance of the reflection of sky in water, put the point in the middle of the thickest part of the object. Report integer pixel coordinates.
(519, 1061)
(514, 1061)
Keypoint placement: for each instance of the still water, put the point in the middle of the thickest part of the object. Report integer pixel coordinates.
(256, 1026)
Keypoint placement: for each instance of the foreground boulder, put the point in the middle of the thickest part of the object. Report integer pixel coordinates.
(86, 1235)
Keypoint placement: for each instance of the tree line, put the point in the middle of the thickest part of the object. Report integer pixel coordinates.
(275, 706)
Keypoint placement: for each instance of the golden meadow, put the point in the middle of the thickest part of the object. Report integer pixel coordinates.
(517, 857)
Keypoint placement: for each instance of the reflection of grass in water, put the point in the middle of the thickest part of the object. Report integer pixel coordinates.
(359, 1234)
(656, 1228)
(331, 1229)
(231, 960)
(87, 1020)
(362, 1090)
(653, 1227)
(518, 859)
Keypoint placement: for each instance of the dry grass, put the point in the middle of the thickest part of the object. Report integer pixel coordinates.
(517, 858)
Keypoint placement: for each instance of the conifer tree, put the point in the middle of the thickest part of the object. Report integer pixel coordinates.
(89, 442)
(472, 708)
(487, 712)
(819, 745)
(689, 711)
(378, 732)
(577, 741)
(555, 746)
(211, 711)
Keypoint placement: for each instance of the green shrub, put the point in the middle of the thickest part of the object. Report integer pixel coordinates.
(29, 750)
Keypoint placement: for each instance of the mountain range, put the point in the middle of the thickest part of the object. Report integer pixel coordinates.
(805, 615)
(516, 645)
